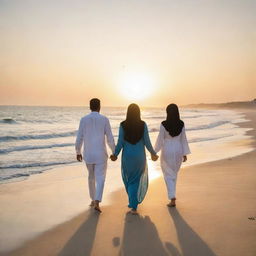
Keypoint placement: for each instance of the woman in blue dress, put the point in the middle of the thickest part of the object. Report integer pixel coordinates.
(132, 139)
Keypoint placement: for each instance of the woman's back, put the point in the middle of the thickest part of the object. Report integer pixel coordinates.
(171, 144)
(136, 149)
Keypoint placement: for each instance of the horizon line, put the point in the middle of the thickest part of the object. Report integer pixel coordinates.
(121, 106)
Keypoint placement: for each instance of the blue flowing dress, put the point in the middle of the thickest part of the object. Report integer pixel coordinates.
(134, 166)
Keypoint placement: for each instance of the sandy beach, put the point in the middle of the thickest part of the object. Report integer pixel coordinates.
(75, 76)
(215, 215)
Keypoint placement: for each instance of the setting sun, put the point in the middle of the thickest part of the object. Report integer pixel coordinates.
(136, 86)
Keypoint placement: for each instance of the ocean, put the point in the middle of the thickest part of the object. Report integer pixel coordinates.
(35, 139)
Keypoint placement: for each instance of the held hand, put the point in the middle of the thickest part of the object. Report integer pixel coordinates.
(185, 158)
(113, 157)
(79, 158)
(154, 157)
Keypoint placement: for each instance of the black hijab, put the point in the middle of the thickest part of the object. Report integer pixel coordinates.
(133, 125)
(173, 124)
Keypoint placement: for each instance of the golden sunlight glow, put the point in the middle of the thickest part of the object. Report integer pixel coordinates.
(136, 86)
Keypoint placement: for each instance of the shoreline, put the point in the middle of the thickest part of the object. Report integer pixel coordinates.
(120, 195)
(224, 140)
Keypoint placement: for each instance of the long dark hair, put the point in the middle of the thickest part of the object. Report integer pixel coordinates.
(133, 125)
(173, 124)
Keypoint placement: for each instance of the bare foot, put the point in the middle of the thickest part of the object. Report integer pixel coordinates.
(134, 212)
(172, 203)
(91, 204)
(96, 206)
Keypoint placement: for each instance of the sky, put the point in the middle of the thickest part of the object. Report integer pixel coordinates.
(152, 52)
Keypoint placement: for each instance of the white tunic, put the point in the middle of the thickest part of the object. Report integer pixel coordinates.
(93, 129)
(172, 151)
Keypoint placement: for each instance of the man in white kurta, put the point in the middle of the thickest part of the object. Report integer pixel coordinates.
(94, 131)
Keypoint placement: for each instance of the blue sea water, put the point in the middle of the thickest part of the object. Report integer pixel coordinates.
(35, 139)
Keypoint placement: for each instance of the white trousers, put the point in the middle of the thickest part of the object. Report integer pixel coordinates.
(96, 180)
(171, 186)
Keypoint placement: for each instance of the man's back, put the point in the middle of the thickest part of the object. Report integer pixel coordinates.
(92, 130)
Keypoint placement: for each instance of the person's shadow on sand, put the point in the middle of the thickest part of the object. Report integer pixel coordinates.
(140, 237)
(191, 244)
(81, 243)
